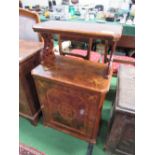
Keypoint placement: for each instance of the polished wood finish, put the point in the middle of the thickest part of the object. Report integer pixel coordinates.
(71, 94)
(26, 20)
(82, 73)
(108, 32)
(29, 57)
(71, 91)
(103, 31)
(121, 136)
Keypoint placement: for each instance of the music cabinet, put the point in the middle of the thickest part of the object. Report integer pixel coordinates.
(71, 91)
(71, 95)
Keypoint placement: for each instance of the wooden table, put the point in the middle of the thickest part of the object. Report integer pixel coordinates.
(72, 91)
(29, 57)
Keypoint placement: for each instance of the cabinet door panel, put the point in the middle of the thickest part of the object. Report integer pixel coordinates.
(68, 106)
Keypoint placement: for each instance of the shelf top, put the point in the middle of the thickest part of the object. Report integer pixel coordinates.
(94, 30)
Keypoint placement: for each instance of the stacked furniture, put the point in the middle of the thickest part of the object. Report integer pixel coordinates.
(121, 136)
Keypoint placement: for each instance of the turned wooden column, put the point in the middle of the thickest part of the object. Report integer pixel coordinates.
(114, 43)
(108, 60)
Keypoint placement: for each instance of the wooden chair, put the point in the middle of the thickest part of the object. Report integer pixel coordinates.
(118, 60)
(26, 20)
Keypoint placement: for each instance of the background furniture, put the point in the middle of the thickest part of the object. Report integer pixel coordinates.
(72, 91)
(121, 137)
(97, 57)
(119, 60)
(128, 37)
(26, 20)
(29, 57)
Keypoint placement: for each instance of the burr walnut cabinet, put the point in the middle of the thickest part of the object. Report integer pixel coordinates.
(72, 91)
(29, 57)
(71, 95)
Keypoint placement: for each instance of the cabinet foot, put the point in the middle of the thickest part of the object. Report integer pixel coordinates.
(90, 149)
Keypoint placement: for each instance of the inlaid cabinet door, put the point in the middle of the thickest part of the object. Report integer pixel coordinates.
(68, 106)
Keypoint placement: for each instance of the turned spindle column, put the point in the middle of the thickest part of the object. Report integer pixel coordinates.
(114, 43)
